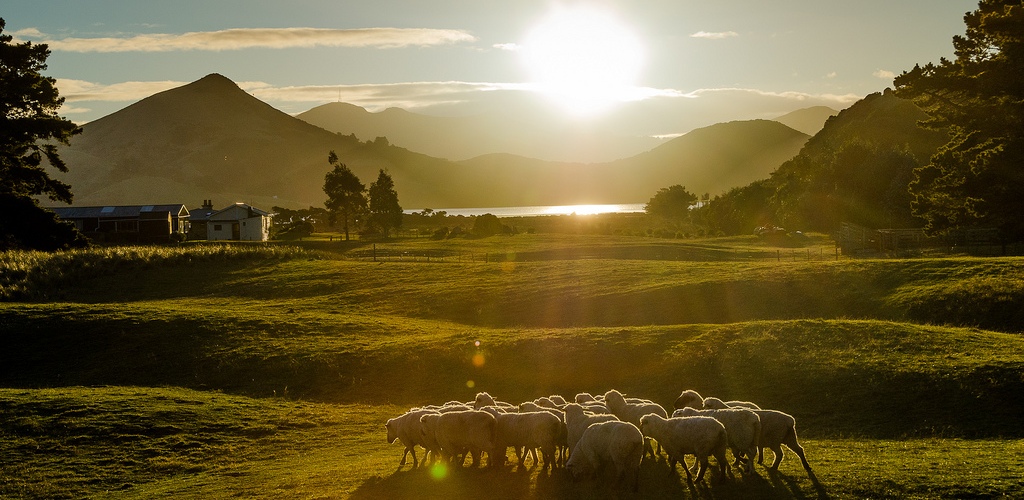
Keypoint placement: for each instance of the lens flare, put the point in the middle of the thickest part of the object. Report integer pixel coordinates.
(439, 471)
(478, 360)
(470, 384)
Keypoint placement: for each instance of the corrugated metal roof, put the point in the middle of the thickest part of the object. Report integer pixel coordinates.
(124, 211)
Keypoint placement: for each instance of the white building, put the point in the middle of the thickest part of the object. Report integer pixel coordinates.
(240, 222)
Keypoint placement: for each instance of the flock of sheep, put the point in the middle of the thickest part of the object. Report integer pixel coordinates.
(595, 433)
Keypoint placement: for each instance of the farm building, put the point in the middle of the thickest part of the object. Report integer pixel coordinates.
(240, 222)
(131, 223)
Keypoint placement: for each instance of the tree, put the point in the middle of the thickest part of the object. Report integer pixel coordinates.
(30, 131)
(385, 212)
(345, 199)
(977, 178)
(673, 202)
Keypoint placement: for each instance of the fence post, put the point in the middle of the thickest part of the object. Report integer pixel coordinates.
(375, 252)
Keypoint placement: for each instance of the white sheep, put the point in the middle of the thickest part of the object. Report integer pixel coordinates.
(743, 427)
(712, 403)
(584, 397)
(408, 429)
(681, 436)
(457, 433)
(558, 400)
(617, 443)
(631, 412)
(483, 399)
(577, 419)
(530, 431)
(777, 429)
(689, 399)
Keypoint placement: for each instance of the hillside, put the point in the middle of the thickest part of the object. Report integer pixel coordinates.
(236, 371)
(465, 137)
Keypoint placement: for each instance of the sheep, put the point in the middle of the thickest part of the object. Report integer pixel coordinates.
(618, 443)
(558, 400)
(408, 429)
(584, 397)
(689, 399)
(577, 420)
(711, 403)
(529, 430)
(680, 436)
(777, 429)
(546, 402)
(483, 399)
(459, 432)
(743, 427)
(627, 412)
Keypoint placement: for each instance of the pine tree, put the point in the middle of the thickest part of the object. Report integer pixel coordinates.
(385, 212)
(977, 178)
(31, 130)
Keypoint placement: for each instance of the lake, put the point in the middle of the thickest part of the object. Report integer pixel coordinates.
(542, 210)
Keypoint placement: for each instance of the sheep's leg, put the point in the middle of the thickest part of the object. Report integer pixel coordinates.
(777, 450)
(703, 461)
(414, 461)
(406, 452)
(791, 443)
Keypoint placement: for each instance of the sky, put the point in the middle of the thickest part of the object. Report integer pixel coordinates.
(662, 66)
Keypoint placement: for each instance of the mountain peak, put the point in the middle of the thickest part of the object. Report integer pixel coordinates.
(215, 81)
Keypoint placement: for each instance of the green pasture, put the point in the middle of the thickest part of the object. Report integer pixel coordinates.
(268, 371)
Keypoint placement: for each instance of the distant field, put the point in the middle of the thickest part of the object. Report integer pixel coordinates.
(268, 371)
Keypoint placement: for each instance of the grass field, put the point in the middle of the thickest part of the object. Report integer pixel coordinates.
(254, 371)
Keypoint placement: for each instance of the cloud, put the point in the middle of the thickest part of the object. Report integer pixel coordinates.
(27, 32)
(832, 75)
(268, 38)
(885, 75)
(714, 35)
(511, 47)
(79, 90)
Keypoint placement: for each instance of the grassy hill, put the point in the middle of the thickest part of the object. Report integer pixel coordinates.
(268, 371)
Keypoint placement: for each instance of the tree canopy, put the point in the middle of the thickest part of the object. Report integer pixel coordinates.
(30, 131)
(673, 202)
(977, 178)
(385, 213)
(345, 195)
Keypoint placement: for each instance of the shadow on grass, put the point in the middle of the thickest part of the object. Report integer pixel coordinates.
(657, 480)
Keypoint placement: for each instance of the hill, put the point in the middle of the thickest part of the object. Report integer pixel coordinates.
(211, 140)
(465, 137)
(707, 160)
(808, 120)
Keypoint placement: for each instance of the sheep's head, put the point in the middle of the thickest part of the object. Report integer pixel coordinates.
(483, 399)
(685, 412)
(689, 398)
(614, 398)
(645, 421)
(584, 397)
(392, 433)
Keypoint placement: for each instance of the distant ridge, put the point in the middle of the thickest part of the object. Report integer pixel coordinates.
(808, 120)
(211, 140)
(464, 137)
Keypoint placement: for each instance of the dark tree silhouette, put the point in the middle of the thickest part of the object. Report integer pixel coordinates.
(385, 212)
(29, 132)
(345, 199)
(673, 202)
(977, 178)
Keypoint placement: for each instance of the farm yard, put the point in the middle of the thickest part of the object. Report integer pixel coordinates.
(270, 371)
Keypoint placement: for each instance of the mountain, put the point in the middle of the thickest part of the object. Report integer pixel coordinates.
(808, 120)
(211, 140)
(463, 137)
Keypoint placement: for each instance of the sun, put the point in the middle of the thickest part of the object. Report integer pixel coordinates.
(584, 58)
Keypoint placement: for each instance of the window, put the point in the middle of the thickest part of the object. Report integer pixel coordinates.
(216, 227)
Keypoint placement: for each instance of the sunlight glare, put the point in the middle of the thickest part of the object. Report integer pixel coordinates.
(584, 58)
